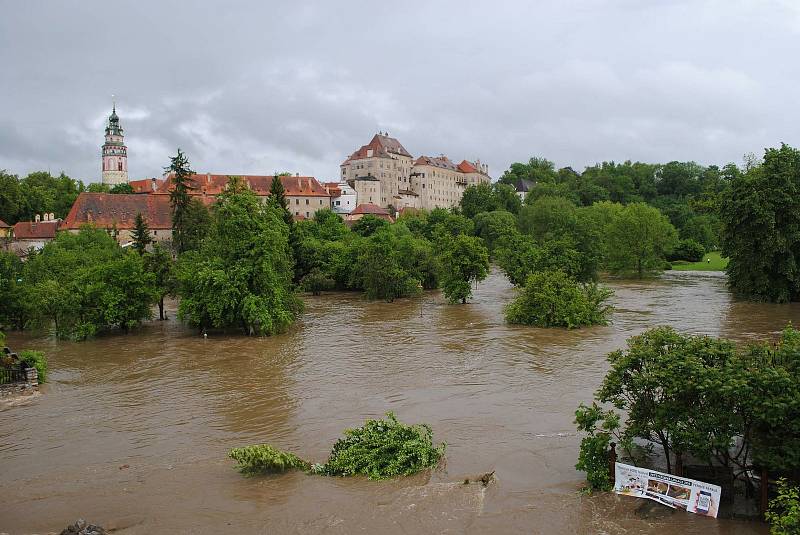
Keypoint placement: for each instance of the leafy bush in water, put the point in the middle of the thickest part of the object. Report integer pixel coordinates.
(264, 459)
(37, 360)
(784, 510)
(553, 299)
(382, 449)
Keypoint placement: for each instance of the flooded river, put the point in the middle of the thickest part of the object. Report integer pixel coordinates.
(132, 431)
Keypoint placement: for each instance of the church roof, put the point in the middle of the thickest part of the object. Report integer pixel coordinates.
(106, 210)
(208, 184)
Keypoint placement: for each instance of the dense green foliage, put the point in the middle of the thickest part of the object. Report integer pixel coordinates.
(241, 277)
(784, 510)
(383, 449)
(600, 426)
(760, 215)
(639, 240)
(80, 284)
(554, 299)
(37, 360)
(688, 250)
(264, 459)
(703, 397)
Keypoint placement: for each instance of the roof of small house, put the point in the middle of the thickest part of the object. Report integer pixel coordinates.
(524, 186)
(105, 210)
(208, 184)
(3, 224)
(369, 208)
(36, 230)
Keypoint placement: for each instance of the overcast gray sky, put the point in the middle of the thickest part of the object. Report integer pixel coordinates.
(256, 86)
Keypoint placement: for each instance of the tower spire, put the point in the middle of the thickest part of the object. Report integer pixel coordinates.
(113, 104)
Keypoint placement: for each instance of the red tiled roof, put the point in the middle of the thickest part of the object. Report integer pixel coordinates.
(3, 224)
(145, 185)
(208, 184)
(442, 161)
(382, 146)
(467, 167)
(369, 208)
(32, 230)
(106, 210)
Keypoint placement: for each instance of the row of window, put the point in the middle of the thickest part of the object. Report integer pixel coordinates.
(297, 201)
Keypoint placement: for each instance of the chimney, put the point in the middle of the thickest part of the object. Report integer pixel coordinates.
(208, 178)
(153, 184)
(297, 174)
(37, 218)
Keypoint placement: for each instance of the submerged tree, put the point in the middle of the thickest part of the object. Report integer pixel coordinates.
(242, 276)
(760, 216)
(464, 261)
(639, 239)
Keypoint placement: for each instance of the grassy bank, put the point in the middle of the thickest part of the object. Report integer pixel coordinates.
(711, 262)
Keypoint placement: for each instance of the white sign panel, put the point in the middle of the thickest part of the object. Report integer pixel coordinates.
(676, 492)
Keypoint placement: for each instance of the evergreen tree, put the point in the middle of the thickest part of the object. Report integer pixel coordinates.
(180, 199)
(277, 196)
(141, 234)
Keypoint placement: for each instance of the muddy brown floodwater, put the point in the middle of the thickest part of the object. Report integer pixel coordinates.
(132, 431)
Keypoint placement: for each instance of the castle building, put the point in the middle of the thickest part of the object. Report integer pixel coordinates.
(383, 172)
(115, 153)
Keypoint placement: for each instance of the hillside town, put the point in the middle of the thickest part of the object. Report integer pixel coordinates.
(381, 179)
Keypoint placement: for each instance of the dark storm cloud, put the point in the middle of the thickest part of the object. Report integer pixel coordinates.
(253, 87)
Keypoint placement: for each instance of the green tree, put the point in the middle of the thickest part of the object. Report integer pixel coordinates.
(537, 170)
(380, 269)
(760, 215)
(553, 299)
(141, 234)
(639, 240)
(15, 302)
(241, 277)
(11, 200)
(494, 227)
(369, 225)
(85, 283)
(478, 198)
(784, 510)
(123, 188)
(180, 200)
(277, 196)
(465, 260)
(160, 263)
(98, 187)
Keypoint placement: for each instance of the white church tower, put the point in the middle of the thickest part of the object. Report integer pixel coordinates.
(115, 154)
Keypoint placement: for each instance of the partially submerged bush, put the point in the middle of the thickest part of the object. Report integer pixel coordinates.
(264, 459)
(554, 299)
(383, 449)
(37, 360)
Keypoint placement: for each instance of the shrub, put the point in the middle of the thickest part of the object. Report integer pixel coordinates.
(264, 459)
(688, 250)
(317, 281)
(382, 449)
(600, 427)
(553, 299)
(784, 510)
(37, 360)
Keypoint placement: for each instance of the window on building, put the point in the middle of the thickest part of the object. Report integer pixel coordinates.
(307, 215)
(297, 201)
(306, 201)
